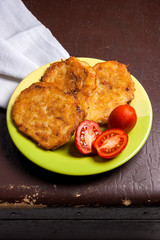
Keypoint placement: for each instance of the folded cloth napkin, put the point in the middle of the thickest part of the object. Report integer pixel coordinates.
(25, 45)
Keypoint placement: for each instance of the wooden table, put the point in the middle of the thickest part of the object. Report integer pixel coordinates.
(119, 204)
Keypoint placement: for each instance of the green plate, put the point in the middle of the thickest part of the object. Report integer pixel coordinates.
(67, 159)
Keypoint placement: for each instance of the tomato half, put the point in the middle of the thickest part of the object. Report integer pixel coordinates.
(111, 143)
(123, 117)
(85, 135)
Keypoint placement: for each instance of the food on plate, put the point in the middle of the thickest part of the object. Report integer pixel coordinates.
(98, 89)
(114, 87)
(111, 143)
(46, 114)
(71, 76)
(71, 92)
(123, 117)
(85, 135)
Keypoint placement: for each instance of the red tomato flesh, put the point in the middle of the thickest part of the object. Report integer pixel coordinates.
(111, 143)
(123, 117)
(85, 135)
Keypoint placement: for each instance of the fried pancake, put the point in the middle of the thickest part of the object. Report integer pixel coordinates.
(71, 76)
(114, 87)
(46, 114)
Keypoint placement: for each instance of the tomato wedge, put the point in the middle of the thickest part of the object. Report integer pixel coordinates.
(111, 143)
(85, 135)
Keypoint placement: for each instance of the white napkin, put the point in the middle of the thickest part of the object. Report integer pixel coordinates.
(25, 45)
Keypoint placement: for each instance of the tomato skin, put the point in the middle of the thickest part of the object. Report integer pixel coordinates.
(123, 117)
(111, 143)
(85, 135)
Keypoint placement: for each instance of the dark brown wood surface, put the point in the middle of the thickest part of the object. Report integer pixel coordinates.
(127, 31)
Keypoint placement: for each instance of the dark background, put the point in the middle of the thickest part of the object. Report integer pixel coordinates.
(123, 30)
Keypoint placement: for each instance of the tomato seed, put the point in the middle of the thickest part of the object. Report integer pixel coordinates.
(85, 127)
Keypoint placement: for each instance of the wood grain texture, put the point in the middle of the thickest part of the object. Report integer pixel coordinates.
(80, 223)
(127, 31)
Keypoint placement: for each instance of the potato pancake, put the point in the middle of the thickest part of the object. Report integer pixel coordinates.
(46, 114)
(114, 87)
(71, 76)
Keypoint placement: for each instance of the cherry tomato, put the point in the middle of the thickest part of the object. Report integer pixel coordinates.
(85, 135)
(111, 143)
(123, 117)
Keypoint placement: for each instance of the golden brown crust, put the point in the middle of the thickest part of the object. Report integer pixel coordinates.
(71, 76)
(46, 114)
(114, 87)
